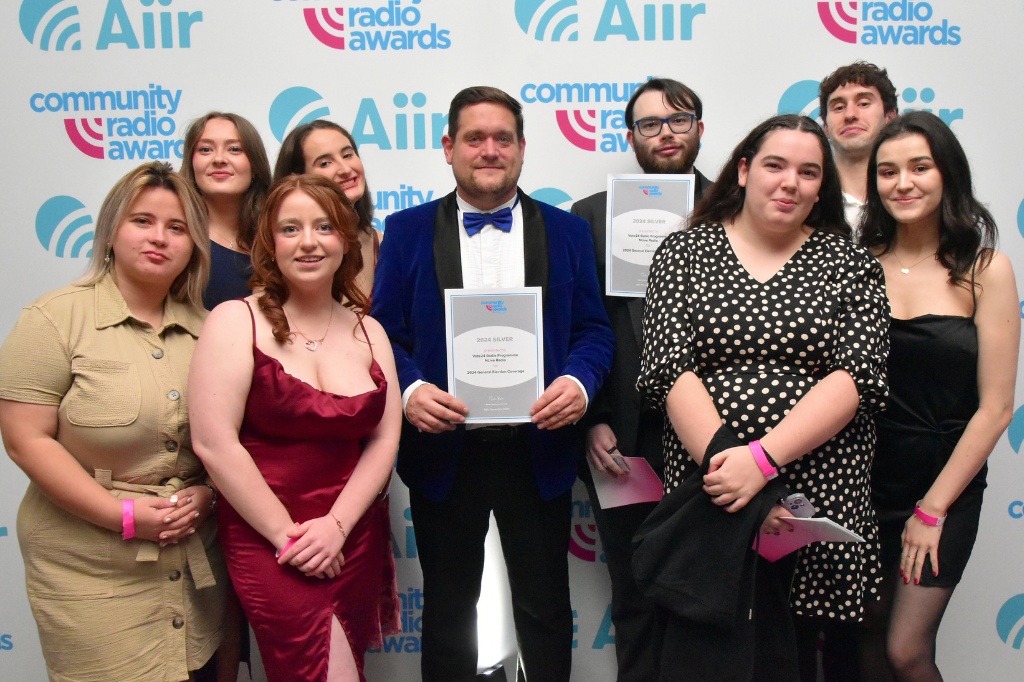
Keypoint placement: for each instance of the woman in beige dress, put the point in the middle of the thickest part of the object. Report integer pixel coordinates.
(123, 574)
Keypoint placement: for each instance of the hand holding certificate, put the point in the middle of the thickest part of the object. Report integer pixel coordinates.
(495, 352)
(805, 531)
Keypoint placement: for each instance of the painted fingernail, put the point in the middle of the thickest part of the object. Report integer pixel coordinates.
(191, 531)
(167, 519)
(174, 499)
(906, 580)
(196, 515)
(917, 581)
(163, 537)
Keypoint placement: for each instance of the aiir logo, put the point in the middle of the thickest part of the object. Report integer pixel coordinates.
(407, 128)
(1010, 621)
(556, 20)
(64, 227)
(801, 98)
(583, 540)
(409, 541)
(904, 22)
(385, 27)
(590, 129)
(293, 107)
(921, 100)
(55, 25)
(143, 129)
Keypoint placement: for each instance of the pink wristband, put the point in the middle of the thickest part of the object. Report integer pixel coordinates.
(127, 519)
(926, 518)
(286, 547)
(761, 459)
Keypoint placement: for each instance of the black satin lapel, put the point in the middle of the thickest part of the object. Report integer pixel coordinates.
(635, 306)
(447, 250)
(535, 245)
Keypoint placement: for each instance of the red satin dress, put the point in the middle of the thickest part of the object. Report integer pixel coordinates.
(306, 443)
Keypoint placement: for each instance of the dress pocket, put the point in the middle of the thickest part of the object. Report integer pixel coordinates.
(103, 393)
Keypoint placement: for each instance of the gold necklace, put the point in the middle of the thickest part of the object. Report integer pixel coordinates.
(311, 344)
(906, 270)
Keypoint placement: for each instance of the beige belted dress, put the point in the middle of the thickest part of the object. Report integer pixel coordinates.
(109, 609)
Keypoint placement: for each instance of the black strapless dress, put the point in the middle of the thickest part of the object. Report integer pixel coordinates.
(933, 384)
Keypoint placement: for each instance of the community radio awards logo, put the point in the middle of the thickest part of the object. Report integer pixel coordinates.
(903, 22)
(590, 116)
(583, 540)
(396, 25)
(117, 124)
(558, 20)
(57, 25)
(64, 227)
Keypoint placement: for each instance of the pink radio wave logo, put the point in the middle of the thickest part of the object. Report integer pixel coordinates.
(87, 135)
(839, 19)
(583, 541)
(327, 25)
(579, 126)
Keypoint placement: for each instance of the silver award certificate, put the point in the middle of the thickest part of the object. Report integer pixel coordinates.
(495, 352)
(642, 211)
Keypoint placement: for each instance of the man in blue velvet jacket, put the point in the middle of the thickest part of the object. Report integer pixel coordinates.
(523, 473)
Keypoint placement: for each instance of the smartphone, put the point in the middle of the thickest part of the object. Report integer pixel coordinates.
(798, 505)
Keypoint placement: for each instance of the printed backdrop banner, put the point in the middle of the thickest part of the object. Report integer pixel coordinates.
(94, 87)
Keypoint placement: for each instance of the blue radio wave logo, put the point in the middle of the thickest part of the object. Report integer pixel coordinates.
(64, 227)
(293, 107)
(50, 24)
(1020, 218)
(1010, 621)
(1015, 433)
(553, 196)
(801, 98)
(548, 19)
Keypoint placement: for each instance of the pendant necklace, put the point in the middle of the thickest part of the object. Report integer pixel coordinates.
(311, 344)
(231, 242)
(906, 270)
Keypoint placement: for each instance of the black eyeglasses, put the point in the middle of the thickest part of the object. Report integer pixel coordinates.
(678, 123)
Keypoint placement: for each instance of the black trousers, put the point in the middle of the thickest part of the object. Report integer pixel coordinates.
(633, 614)
(494, 475)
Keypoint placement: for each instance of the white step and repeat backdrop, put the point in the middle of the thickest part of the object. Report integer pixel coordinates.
(93, 87)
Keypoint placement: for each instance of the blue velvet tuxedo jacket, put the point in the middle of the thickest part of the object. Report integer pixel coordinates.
(420, 257)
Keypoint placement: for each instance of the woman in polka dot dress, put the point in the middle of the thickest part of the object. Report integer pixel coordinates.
(765, 319)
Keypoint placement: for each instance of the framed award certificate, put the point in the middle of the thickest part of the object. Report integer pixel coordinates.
(495, 342)
(642, 211)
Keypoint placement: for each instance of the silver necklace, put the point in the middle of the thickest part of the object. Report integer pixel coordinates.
(311, 344)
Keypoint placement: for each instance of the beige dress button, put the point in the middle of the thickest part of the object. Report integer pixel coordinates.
(178, 623)
(173, 395)
(175, 576)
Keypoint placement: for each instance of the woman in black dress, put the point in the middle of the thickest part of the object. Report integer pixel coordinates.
(955, 334)
(765, 341)
(225, 161)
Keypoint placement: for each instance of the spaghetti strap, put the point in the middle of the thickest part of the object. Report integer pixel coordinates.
(251, 317)
(365, 336)
(974, 287)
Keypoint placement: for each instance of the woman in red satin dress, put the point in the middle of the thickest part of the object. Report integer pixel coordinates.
(296, 414)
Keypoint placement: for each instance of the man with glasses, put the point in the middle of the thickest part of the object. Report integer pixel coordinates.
(665, 127)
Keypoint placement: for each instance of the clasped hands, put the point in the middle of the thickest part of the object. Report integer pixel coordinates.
(432, 410)
(168, 520)
(314, 547)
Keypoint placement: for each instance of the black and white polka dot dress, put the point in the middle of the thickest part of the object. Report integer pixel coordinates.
(758, 348)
